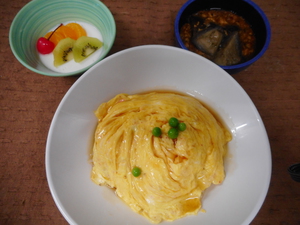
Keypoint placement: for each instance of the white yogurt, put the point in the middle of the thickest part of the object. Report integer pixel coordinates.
(72, 66)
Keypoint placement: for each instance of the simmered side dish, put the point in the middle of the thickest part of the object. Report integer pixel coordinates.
(157, 174)
(219, 35)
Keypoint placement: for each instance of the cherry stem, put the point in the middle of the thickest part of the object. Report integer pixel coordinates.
(54, 31)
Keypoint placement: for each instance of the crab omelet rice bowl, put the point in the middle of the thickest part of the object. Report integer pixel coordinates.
(157, 174)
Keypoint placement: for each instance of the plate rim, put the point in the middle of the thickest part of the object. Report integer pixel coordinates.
(57, 201)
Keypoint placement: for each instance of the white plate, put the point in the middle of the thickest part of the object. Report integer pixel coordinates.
(151, 67)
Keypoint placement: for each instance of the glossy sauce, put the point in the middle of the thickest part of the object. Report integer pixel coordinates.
(228, 22)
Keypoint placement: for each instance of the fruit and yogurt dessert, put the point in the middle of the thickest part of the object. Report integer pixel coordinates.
(70, 46)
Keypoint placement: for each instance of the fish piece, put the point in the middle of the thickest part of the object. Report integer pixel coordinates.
(230, 52)
(208, 40)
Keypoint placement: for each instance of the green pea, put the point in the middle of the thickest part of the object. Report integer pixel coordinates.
(156, 132)
(173, 133)
(182, 126)
(173, 122)
(136, 171)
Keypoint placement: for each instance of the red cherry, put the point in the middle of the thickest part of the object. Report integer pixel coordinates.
(44, 46)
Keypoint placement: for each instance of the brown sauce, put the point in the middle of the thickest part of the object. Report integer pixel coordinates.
(228, 22)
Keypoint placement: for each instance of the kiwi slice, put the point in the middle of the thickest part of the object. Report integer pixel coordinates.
(84, 47)
(63, 52)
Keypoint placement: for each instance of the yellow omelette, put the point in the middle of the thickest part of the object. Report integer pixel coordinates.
(174, 172)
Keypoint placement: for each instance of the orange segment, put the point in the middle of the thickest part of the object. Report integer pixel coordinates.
(55, 38)
(77, 29)
(71, 30)
(67, 32)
